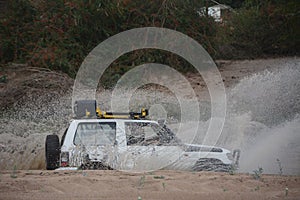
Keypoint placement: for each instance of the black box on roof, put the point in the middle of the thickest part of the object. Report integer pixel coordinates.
(85, 108)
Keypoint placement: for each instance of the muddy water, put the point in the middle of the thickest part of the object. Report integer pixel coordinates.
(263, 120)
(23, 130)
(268, 107)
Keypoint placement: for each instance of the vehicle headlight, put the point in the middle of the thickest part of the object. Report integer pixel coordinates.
(229, 156)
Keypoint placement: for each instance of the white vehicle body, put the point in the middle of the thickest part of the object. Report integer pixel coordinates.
(82, 145)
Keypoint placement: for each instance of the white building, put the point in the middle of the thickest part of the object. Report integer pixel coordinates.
(217, 11)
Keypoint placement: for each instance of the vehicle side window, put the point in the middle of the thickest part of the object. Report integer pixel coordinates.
(141, 134)
(95, 134)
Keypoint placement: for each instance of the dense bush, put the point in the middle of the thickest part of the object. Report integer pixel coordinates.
(261, 28)
(58, 34)
(55, 34)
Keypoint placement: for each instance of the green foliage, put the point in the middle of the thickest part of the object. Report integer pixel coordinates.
(279, 166)
(158, 177)
(58, 34)
(3, 79)
(257, 173)
(164, 186)
(262, 28)
(55, 34)
(141, 182)
(15, 30)
(14, 172)
(232, 170)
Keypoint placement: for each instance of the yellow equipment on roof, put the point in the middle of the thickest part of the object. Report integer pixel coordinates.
(131, 115)
(89, 109)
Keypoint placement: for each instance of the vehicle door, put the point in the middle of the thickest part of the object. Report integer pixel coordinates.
(96, 141)
(146, 150)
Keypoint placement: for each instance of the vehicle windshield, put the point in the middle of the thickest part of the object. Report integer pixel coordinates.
(95, 133)
(147, 133)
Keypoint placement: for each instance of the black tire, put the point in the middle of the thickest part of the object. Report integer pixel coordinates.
(211, 164)
(52, 150)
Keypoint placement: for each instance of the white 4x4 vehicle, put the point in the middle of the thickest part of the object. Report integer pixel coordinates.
(131, 144)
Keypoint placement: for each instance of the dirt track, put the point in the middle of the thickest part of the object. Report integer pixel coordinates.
(155, 185)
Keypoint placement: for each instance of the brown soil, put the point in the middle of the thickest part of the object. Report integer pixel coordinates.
(155, 185)
(21, 80)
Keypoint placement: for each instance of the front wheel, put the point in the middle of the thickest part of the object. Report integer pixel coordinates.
(52, 152)
(211, 164)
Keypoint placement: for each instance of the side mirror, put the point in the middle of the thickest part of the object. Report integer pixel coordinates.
(161, 122)
(115, 143)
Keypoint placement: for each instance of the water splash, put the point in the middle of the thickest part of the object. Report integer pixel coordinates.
(279, 143)
(24, 128)
(262, 120)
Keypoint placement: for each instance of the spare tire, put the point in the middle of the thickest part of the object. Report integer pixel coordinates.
(52, 150)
